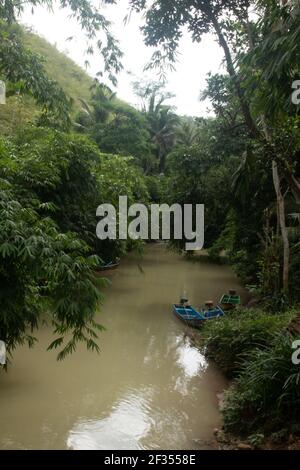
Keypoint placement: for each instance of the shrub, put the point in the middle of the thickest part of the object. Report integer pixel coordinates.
(267, 393)
(43, 270)
(238, 333)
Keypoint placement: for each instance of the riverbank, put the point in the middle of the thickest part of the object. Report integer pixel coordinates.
(254, 349)
(227, 441)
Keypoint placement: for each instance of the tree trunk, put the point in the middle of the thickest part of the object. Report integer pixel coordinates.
(254, 132)
(280, 215)
(284, 233)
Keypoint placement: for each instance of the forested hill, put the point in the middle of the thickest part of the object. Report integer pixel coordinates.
(73, 79)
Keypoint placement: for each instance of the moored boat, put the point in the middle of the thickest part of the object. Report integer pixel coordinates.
(212, 312)
(195, 318)
(188, 315)
(107, 267)
(230, 301)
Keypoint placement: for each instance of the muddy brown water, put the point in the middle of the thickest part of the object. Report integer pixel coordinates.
(148, 389)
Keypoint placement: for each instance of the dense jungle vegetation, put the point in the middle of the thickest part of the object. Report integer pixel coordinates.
(68, 144)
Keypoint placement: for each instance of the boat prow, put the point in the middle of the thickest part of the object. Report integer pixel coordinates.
(188, 315)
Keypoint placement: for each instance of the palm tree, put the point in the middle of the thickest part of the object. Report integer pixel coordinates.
(100, 109)
(102, 100)
(162, 125)
(187, 133)
(161, 118)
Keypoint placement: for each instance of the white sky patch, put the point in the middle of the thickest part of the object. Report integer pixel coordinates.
(195, 60)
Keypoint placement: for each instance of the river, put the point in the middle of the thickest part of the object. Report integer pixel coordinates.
(148, 389)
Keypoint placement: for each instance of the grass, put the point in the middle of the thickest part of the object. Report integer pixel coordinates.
(255, 348)
(266, 395)
(74, 80)
(227, 340)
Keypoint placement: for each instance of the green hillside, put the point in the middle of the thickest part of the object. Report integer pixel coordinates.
(72, 78)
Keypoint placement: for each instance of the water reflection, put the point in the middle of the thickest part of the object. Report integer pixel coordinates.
(190, 358)
(123, 429)
(191, 363)
(135, 416)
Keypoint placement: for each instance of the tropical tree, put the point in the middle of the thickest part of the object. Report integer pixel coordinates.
(161, 119)
(124, 133)
(59, 169)
(225, 19)
(100, 110)
(275, 69)
(199, 18)
(42, 270)
(187, 133)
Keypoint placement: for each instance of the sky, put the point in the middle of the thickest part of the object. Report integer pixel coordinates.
(195, 61)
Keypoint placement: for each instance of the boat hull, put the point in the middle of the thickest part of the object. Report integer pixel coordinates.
(230, 302)
(189, 316)
(216, 312)
(195, 319)
(109, 267)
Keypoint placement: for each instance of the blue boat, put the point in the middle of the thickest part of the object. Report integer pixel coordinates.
(189, 315)
(193, 318)
(109, 266)
(213, 312)
(112, 265)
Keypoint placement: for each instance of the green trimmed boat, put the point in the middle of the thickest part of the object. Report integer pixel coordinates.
(230, 300)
